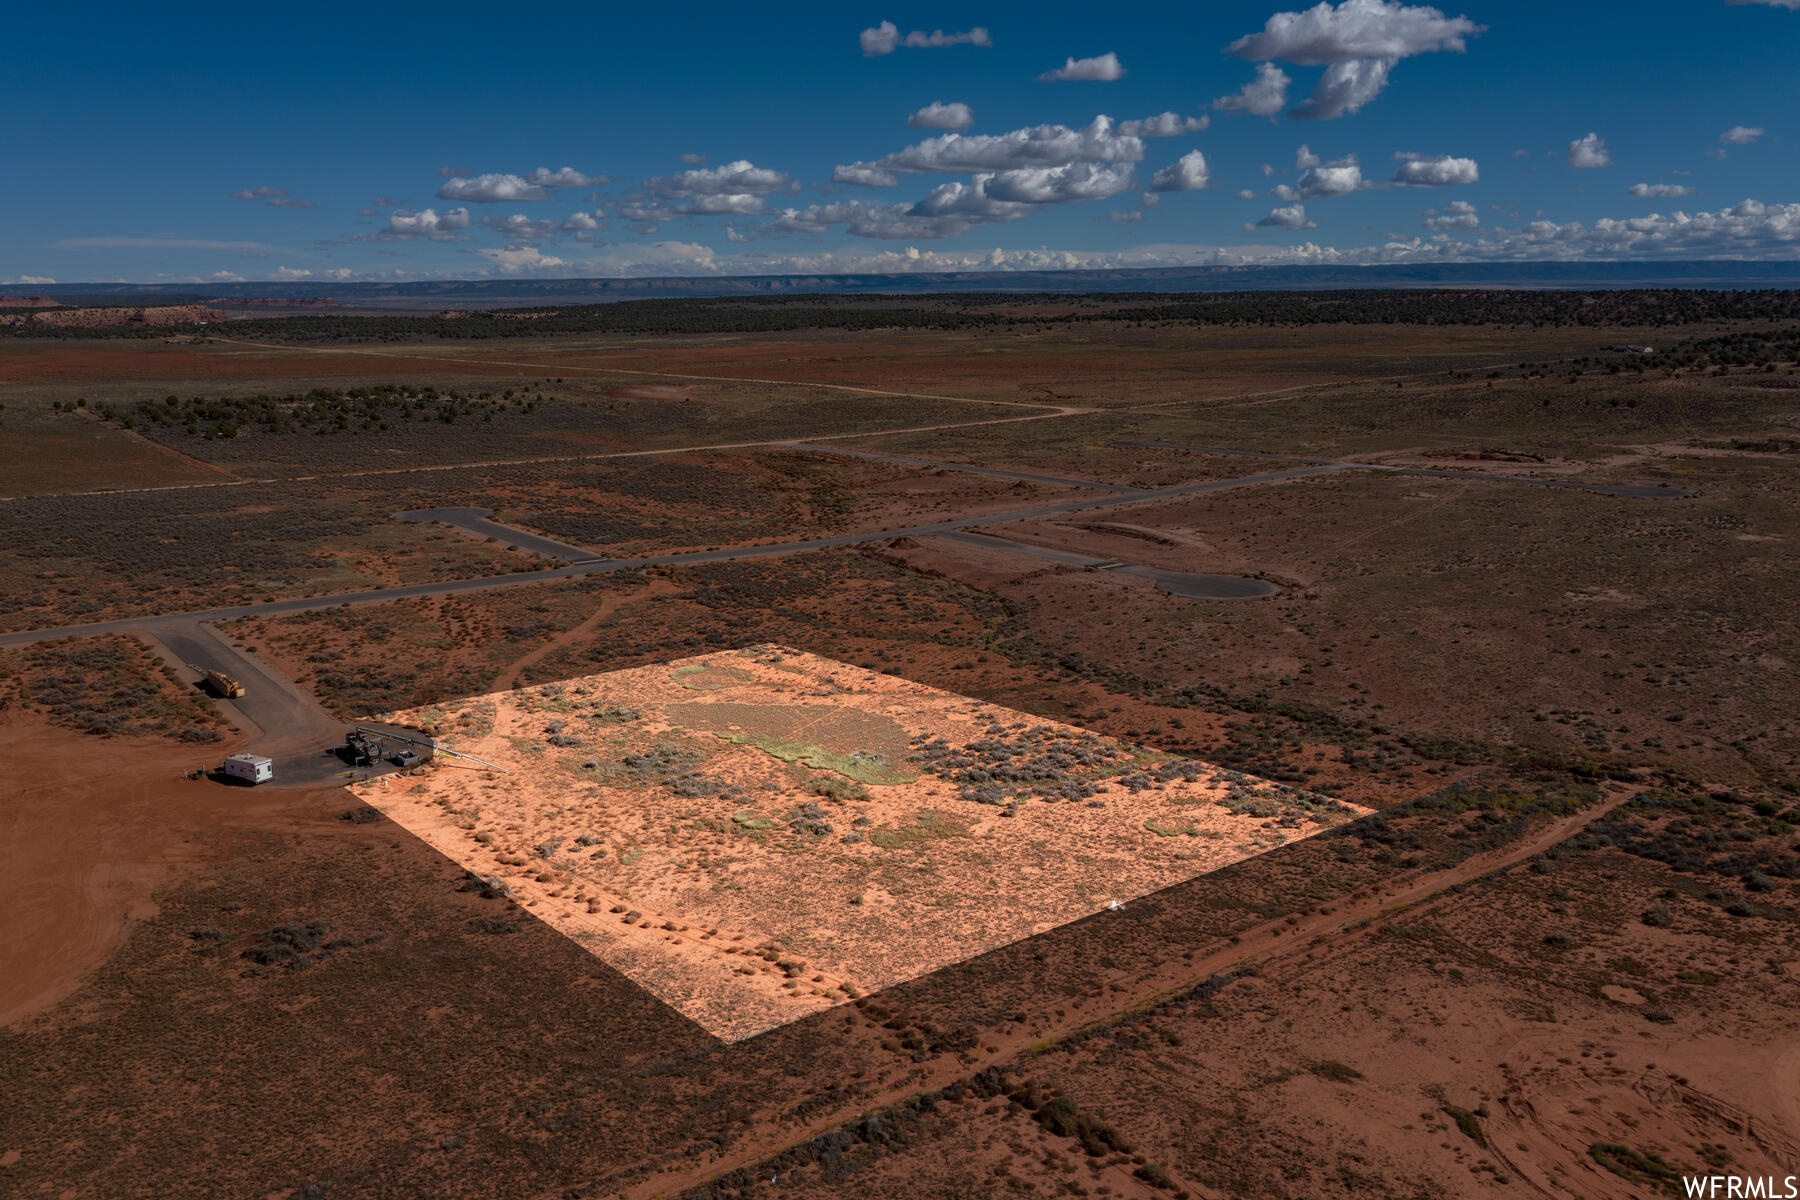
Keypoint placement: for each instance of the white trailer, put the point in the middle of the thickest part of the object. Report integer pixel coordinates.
(251, 768)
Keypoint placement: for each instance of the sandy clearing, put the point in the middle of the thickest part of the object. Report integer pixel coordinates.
(747, 891)
(84, 847)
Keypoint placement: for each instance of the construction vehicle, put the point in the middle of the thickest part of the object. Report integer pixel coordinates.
(366, 747)
(374, 736)
(360, 749)
(224, 685)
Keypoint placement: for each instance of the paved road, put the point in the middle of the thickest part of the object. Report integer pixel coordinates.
(771, 550)
(1640, 491)
(1176, 583)
(295, 731)
(285, 721)
(475, 521)
(991, 472)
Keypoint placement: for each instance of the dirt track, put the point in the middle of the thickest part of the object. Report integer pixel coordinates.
(1274, 941)
(1634, 491)
(1176, 583)
(609, 605)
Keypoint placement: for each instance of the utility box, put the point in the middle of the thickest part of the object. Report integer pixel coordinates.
(251, 768)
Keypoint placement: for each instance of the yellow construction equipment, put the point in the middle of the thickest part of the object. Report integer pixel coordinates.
(224, 685)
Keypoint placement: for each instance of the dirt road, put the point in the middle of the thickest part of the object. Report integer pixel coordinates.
(1176, 583)
(990, 472)
(1638, 491)
(1271, 943)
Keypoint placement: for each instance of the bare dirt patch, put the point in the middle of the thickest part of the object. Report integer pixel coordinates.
(45, 450)
(84, 849)
(817, 831)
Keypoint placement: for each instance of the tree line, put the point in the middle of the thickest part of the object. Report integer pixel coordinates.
(1649, 308)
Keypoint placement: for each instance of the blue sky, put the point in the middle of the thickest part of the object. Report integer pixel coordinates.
(369, 142)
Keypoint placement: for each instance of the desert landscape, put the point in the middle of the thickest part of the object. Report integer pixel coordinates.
(1041, 746)
(725, 882)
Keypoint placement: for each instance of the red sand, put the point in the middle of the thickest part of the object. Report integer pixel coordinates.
(745, 889)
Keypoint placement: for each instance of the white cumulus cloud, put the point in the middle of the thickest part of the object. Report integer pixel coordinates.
(652, 210)
(1103, 68)
(1458, 214)
(955, 208)
(1435, 170)
(1335, 178)
(514, 260)
(1264, 96)
(1588, 152)
(1291, 217)
(520, 227)
(819, 218)
(1659, 191)
(1163, 125)
(428, 223)
(1186, 174)
(733, 203)
(1748, 229)
(1355, 29)
(492, 188)
(1743, 135)
(1060, 185)
(939, 115)
(736, 178)
(885, 38)
(1344, 88)
(863, 175)
(563, 177)
(1358, 42)
(1037, 146)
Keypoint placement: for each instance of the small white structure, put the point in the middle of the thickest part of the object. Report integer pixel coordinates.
(251, 768)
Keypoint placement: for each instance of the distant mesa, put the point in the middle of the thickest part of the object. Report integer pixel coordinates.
(29, 302)
(278, 302)
(95, 318)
